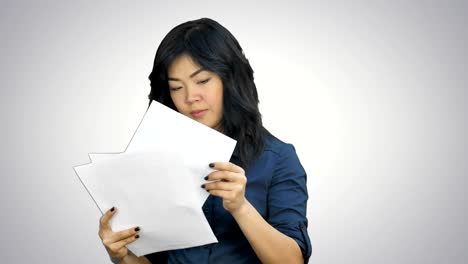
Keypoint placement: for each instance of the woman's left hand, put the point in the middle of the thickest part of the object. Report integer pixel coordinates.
(229, 184)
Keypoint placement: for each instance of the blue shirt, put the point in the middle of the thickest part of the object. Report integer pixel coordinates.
(276, 187)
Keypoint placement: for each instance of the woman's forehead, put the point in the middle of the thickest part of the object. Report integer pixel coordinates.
(183, 62)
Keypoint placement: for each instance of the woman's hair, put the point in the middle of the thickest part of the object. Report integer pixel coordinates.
(214, 48)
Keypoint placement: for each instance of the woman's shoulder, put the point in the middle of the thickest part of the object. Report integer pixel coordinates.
(287, 162)
(278, 146)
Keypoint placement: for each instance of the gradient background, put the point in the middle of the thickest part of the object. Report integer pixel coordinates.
(371, 93)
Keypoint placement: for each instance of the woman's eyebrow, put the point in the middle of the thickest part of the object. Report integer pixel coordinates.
(191, 75)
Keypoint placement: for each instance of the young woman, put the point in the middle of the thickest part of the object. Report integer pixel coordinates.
(258, 200)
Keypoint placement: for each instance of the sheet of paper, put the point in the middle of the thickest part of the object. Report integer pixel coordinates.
(155, 183)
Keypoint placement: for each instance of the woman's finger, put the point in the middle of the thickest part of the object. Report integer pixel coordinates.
(223, 176)
(124, 234)
(122, 243)
(219, 185)
(227, 166)
(104, 221)
(226, 195)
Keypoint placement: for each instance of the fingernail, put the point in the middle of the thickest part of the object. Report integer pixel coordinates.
(137, 236)
(206, 177)
(137, 229)
(211, 165)
(203, 186)
(112, 209)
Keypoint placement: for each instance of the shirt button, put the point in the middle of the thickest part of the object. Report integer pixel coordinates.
(205, 210)
(302, 225)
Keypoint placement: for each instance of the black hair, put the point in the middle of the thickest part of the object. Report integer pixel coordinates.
(213, 47)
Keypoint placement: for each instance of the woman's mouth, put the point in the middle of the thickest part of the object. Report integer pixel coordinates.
(198, 113)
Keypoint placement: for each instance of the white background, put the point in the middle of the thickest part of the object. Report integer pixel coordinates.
(371, 93)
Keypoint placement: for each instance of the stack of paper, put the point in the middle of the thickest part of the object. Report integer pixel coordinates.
(155, 182)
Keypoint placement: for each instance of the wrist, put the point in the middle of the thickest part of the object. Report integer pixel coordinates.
(116, 260)
(242, 209)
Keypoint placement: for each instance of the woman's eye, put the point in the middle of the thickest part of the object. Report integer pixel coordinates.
(204, 81)
(175, 89)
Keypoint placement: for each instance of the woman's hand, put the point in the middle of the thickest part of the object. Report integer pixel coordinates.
(116, 242)
(229, 184)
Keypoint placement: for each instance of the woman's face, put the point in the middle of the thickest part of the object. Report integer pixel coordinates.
(196, 92)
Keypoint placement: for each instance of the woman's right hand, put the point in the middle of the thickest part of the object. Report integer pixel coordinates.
(116, 242)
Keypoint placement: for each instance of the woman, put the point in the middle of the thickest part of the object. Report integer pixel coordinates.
(258, 200)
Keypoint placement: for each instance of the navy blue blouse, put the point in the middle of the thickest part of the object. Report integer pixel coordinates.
(276, 187)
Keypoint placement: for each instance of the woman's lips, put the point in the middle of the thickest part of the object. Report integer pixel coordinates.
(199, 113)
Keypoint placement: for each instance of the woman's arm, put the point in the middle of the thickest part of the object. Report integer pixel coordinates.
(270, 245)
(130, 258)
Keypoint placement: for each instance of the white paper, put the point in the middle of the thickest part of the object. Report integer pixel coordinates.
(155, 183)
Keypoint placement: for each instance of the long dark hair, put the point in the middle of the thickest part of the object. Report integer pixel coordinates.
(213, 47)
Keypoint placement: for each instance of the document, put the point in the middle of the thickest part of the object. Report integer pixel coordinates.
(155, 182)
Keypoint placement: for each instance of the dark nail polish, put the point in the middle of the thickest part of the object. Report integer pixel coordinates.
(137, 229)
(206, 178)
(112, 209)
(211, 165)
(137, 236)
(203, 186)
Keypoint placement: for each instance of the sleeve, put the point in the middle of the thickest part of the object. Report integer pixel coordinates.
(158, 257)
(287, 199)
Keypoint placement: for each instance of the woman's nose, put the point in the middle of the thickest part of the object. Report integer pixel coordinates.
(193, 94)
